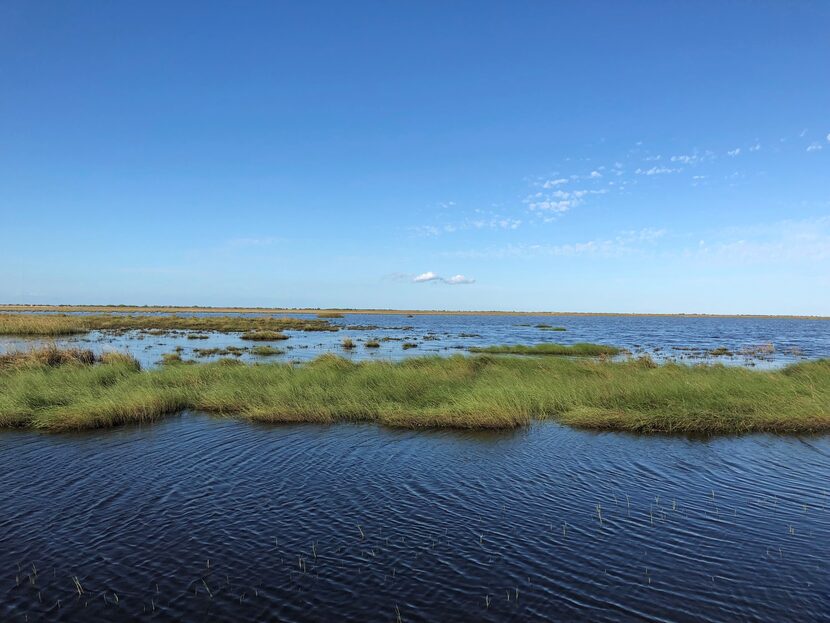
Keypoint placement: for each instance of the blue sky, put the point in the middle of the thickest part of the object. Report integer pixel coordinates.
(593, 156)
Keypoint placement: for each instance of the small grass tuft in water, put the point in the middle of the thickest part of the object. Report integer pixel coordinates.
(721, 351)
(330, 315)
(264, 336)
(372, 344)
(266, 351)
(348, 343)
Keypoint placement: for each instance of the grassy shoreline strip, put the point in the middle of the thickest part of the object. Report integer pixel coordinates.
(63, 324)
(574, 350)
(458, 392)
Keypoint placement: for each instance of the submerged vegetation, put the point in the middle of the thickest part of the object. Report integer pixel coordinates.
(63, 324)
(573, 350)
(59, 390)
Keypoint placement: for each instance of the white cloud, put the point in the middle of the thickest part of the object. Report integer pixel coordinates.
(815, 147)
(455, 280)
(828, 138)
(595, 174)
(459, 280)
(553, 183)
(755, 147)
(427, 276)
(734, 152)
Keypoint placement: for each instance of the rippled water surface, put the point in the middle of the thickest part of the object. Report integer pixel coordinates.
(210, 519)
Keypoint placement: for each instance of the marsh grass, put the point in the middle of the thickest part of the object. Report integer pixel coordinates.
(263, 336)
(330, 315)
(63, 324)
(573, 350)
(457, 392)
(51, 356)
(348, 343)
(372, 344)
(266, 351)
(235, 351)
(40, 324)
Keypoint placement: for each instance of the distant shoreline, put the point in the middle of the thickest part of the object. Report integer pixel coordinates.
(403, 312)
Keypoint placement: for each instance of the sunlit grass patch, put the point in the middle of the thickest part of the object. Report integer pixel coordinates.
(64, 324)
(264, 336)
(573, 350)
(70, 391)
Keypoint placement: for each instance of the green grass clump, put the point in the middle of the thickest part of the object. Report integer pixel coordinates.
(721, 351)
(348, 343)
(63, 324)
(266, 351)
(264, 336)
(171, 358)
(408, 345)
(460, 392)
(372, 344)
(330, 315)
(235, 351)
(573, 350)
(41, 324)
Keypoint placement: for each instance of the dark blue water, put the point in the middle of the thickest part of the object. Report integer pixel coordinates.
(197, 518)
(761, 342)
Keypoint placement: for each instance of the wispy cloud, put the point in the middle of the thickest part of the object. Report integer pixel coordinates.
(243, 242)
(734, 152)
(624, 243)
(656, 171)
(430, 276)
(805, 240)
(492, 222)
(815, 146)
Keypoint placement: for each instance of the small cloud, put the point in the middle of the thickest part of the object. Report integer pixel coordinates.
(553, 183)
(734, 152)
(815, 147)
(755, 147)
(427, 276)
(595, 174)
(455, 280)
(828, 138)
(459, 280)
